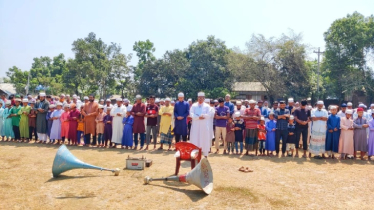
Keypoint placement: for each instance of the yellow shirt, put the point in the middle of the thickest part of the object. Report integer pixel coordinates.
(165, 122)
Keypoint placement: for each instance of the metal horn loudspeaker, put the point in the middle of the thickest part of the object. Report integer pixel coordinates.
(201, 176)
(65, 161)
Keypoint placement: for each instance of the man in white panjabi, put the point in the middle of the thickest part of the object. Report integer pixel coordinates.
(212, 111)
(201, 123)
(118, 112)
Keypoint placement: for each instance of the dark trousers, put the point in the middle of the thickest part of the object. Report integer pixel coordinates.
(178, 137)
(17, 134)
(142, 137)
(79, 136)
(304, 132)
(278, 135)
(189, 129)
(31, 131)
(87, 139)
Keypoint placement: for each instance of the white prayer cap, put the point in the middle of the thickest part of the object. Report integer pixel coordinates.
(238, 103)
(372, 111)
(52, 106)
(371, 105)
(157, 100)
(126, 100)
(29, 96)
(108, 108)
(349, 104)
(101, 107)
(8, 103)
(227, 95)
(189, 100)
(162, 100)
(263, 118)
(237, 114)
(66, 106)
(101, 99)
(292, 117)
(252, 101)
(67, 95)
(118, 99)
(348, 111)
(290, 100)
(215, 101)
(246, 100)
(333, 107)
(75, 95)
(201, 94)
(319, 102)
(108, 100)
(167, 99)
(362, 105)
(42, 94)
(207, 100)
(18, 99)
(59, 104)
(172, 102)
(271, 113)
(138, 97)
(180, 94)
(25, 100)
(62, 95)
(85, 98)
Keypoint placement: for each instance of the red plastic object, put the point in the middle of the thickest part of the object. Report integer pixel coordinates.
(185, 150)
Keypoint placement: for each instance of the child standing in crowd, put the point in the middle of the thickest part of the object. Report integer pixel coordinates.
(291, 139)
(271, 127)
(239, 127)
(56, 125)
(360, 137)
(108, 127)
(346, 145)
(65, 123)
(8, 129)
(15, 119)
(49, 121)
(261, 135)
(127, 139)
(80, 126)
(333, 133)
(100, 125)
(32, 121)
(24, 120)
(371, 136)
(230, 135)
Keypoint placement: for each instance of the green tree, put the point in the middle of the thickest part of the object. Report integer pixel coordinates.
(349, 41)
(144, 50)
(17, 77)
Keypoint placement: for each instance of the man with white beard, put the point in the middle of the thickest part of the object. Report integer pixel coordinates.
(201, 124)
(118, 112)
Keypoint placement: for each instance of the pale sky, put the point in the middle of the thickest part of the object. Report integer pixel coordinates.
(34, 28)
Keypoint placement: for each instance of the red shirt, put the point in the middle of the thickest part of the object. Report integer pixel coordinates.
(252, 124)
(261, 134)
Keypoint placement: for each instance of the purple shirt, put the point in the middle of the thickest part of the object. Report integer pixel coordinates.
(222, 111)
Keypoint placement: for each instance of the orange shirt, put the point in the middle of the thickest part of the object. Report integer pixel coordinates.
(261, 134)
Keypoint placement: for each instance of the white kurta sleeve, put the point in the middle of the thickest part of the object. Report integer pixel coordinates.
(192, 113)
(112, 113)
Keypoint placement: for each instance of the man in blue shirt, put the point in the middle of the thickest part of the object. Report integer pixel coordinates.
(264, 111)
(181, 112)
(229, 104)
(221, 117)
(290, 105)
(282, 115)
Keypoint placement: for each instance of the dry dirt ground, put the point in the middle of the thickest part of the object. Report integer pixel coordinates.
(276, 183)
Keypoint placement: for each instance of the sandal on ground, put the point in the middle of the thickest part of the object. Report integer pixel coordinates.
(242, 169)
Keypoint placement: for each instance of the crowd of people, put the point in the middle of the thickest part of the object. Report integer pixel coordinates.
(333, 132)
